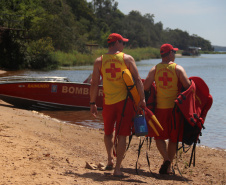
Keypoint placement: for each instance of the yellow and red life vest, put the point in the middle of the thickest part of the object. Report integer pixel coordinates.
(114, 87)
(166, 84)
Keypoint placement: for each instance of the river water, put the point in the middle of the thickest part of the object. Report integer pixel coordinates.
(211, 68)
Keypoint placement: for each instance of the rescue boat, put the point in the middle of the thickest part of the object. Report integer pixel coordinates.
(47, 93)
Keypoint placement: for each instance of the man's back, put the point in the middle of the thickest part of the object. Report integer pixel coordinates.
(113, 85)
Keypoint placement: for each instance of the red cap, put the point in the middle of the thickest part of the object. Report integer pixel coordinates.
(165, 48)
(115, 36)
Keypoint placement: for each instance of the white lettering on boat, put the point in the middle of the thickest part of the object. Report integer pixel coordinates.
(75, 90)
(79, 90)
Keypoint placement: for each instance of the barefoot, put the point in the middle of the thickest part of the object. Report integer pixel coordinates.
(117, 173)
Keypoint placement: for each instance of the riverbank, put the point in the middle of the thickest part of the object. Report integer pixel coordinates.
(75, 58)
(36, 149)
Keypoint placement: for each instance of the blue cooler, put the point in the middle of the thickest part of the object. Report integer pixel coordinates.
(140, 125)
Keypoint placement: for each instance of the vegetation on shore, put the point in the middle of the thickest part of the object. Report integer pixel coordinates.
(78, 59)
(52, 33)
(75, 58)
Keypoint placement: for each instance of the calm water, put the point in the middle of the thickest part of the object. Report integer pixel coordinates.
(211, 68)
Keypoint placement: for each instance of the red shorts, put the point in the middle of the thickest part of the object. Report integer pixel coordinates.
(171, 127)
(112, 114)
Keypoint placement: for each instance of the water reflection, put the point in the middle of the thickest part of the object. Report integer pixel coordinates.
(78, 117)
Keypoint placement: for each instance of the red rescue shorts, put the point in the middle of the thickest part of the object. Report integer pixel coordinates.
(171, 127)
(112, 113)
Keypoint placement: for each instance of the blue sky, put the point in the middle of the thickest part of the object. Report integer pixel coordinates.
(205, 18)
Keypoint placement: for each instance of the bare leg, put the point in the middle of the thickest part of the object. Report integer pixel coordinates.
(121, 147)
(108, 140)
(172, 149)
(161, 145)
(166, 154)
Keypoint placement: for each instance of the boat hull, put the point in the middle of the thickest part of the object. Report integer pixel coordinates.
(49, 95)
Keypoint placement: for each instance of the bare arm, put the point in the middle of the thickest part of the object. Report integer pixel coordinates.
(94, 85)
(150, 79)
(130, 63)
(183, 76)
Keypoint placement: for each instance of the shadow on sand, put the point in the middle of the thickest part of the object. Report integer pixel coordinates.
(100, 177)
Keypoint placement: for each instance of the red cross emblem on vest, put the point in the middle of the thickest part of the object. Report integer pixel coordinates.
(113, 70)
(165, 79)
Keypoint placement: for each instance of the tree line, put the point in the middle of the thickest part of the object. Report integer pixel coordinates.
(31, 29)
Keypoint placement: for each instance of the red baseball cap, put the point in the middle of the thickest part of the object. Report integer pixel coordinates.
(115, 36)
(165, 48)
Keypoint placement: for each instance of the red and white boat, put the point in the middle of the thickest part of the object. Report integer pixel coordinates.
(47, 93)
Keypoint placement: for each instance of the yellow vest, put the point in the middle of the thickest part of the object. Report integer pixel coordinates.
(166, 85)
(114, 87)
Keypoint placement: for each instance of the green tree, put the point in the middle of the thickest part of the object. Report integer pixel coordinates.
(56, 21)
(108, 19)
(11, 52)
(81, 10)
(177, 38)
(38, 54)
(141, 29)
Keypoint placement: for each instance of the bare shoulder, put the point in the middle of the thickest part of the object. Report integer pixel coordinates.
(98, 59)
(152, 69)
(182, 76)
(127, 55)
(128, 58)
(98, 62)
(151, 72)
(179, 68)
(129, 61)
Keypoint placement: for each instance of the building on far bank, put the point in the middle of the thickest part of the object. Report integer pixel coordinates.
(191, 51)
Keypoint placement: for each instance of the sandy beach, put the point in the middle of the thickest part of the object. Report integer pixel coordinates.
(36, 149)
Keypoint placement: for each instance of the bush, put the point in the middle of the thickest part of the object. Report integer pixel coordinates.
(38, 55)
